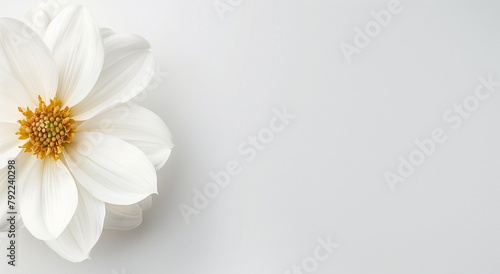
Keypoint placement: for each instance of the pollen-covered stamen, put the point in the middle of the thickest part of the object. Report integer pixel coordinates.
(48, 129)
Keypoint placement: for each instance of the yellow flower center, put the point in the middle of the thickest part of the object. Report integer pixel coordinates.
(48, 129)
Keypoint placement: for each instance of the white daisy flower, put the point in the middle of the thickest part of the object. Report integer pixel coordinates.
(80, 153)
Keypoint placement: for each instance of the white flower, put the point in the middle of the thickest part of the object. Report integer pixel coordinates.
(80, 152)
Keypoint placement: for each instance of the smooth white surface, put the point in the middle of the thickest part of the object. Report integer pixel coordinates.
(323, 175)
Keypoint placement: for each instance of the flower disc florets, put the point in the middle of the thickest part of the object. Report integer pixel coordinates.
(48, 129)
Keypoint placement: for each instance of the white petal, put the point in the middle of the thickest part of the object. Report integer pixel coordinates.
(9, 142)
(9, 103)
(49, 197)
(127, 71)
(126, 217)
(75, 41)
(138, 126)
(111, 169)
(84, 230)
(123, 217)
(146, 203)
(27, 68)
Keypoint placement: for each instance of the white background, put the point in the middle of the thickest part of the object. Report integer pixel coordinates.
(324, 174)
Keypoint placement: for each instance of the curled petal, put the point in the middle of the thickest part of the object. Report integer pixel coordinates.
(125, 217)
(39, 17)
